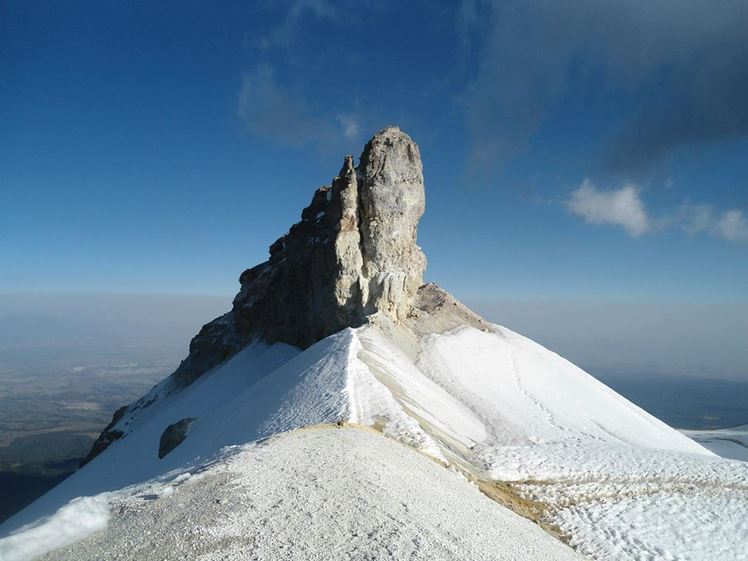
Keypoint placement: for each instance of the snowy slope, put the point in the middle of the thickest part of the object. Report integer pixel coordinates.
(492, 404)
(260, 391)
(316, 494)
(512, 391)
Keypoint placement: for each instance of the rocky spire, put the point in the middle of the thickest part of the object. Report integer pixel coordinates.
(352, 259)
(392, 201)
(352, 255)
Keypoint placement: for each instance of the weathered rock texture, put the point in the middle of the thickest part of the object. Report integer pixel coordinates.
(353, 254)
(352, 259)
(107, 436)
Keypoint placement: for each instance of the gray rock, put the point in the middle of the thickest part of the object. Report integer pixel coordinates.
(436, 311)
(173, 436)
(392, 202)
(352, 255)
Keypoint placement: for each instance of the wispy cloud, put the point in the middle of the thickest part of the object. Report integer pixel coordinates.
(350, 126)
(695, 219)
(270, 110)
(622, 207)
(276, 112)
(283, 34)
(535, 52)
(732, 226)
(279, 100)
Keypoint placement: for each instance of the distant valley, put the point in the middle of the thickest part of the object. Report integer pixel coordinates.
(67, 362)
(53, 407)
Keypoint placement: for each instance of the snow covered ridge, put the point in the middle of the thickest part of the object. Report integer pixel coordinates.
(313, 494)
(335, 330)
(513, 417)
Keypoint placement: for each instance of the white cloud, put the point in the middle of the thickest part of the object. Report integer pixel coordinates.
(732, 226)
(282, 35)
(275, 111)
(621, 207)
(695, 219)
(350, 126)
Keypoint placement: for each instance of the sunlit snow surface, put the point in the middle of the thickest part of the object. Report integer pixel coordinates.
(76, 520)
(323, 493)
(617, 483)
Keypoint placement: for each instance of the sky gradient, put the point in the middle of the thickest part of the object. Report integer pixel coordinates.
(572, 150)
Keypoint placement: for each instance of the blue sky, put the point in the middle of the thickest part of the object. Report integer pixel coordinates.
(586, 149)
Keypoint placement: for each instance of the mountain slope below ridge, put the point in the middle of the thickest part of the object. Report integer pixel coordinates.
(490, 404)
(315, 494)
(361, 376)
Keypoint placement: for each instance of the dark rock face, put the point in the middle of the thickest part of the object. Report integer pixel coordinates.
(217, 341)
(173, 436)
(107, 436)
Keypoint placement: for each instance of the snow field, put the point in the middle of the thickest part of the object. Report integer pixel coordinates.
(317, 494)
(618, 483)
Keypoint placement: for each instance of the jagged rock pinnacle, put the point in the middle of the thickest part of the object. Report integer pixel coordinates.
(392, 201)
(352, 259)
(352, 255)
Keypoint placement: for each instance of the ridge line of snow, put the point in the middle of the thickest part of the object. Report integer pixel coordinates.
(354, 407)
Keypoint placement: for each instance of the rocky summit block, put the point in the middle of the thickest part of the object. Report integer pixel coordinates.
(352, 255)
(352, 259)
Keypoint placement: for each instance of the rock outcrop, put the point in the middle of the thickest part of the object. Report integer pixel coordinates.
(352, 259)
(173, 436)
(352, 255)
(107, 436)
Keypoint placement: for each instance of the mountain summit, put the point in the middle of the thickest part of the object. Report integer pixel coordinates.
(351, 260)
(317, 417)
(352, 255)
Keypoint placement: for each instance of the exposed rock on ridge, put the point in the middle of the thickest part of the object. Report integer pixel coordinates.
(352, 259)
(353, 254)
